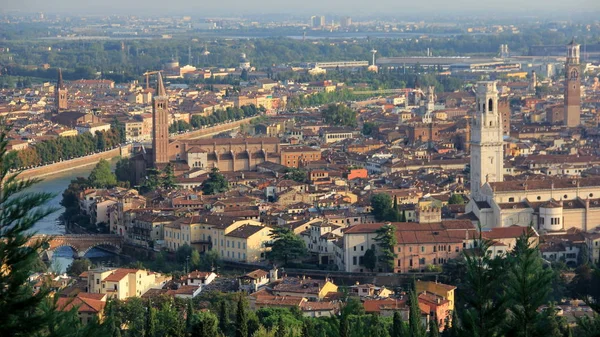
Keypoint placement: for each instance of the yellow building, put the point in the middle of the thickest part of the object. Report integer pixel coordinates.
(123, 283)
(440, 289)
(246, 243)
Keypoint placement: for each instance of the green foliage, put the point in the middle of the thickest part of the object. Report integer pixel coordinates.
(124, 172)
(399, 328)
(220, 116)
(150, 321)
(180, 126)
(368, 128)
(23, 312)
(169, 322)
(102, 176)
(527, 284)
(456, 199)
(481, 305)
(63, 148)
(296, 174)
(370, 259)
(204, 324)
(339, 115)
(241, 323)
(434, 330)
(286, 246)
(416, 328)
(78, 266)
(386, 240)
(385, 210)
(216, 183)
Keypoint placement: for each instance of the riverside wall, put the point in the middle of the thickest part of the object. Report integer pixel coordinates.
(67, 165)
(123, 151)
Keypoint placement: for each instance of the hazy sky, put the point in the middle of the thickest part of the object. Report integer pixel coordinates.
(350, 7)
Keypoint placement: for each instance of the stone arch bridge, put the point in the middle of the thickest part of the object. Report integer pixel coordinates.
(80, 243)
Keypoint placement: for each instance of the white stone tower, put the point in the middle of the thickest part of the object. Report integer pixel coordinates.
(487, 154)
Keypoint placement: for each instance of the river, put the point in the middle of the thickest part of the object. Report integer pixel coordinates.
(56, 184)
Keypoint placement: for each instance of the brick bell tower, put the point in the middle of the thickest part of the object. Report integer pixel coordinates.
(60, 93)
(160, 124)
(572, 86)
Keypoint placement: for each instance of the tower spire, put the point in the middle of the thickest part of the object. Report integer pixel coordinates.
(59, 82)
(160, 87)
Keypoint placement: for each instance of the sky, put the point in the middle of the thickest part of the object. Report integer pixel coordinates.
(341, 7)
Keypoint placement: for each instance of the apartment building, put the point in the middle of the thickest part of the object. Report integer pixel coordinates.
(122, 283)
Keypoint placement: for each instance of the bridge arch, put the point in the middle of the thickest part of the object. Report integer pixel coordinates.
(101, 243)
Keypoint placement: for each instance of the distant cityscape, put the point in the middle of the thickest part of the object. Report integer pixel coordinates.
(325, 175)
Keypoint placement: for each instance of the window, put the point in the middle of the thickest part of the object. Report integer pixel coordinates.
(354, 248)
(421, 261)
(362, 248)
(354, 260)
(511, 199)
(422, 249)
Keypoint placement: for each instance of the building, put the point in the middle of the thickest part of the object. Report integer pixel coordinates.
(572, 86)
(443, 290)
(89, 306)
(92, 128)
(487, 153)
(297, 156)
(336, 134)
(60, 93)
(160, 119)
(317, 21)
(304, 287)
(122, 283)
(255, 280)
(418, 244)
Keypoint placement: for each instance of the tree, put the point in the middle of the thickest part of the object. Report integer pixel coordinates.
(168, 177)
(434, 330)
(78, 266)
(223, 318)
(481, 305)
(216, 183)
(344, 326)
(527, 286)
(368, 128)
(370, 259)
(286, 245)
(296, 174)
(241, 324)
(21, 308)
(102, 176)
(204, 324)
(340, 115)
(123, 171)
(415, 325)
(189, 316)
(195, 259)
(386, 240)
(381, 204)
(456, 199)
(281, 330)
(398, 327)
(150, 326)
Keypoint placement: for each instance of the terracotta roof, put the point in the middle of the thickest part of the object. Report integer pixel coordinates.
(245, 231)
(506, 232)
(259, 273)
(544, 184)
(118, 274)
(82, 303)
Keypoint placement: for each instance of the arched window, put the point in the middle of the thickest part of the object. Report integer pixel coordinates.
(490, 105)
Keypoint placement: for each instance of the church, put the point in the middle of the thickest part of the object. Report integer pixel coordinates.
(549, 204)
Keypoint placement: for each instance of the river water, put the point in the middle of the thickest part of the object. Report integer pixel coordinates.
(56, 184)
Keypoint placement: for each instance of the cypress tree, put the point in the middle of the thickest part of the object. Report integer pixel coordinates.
(398, 327)
(414, 318)
(150, 328)
(434, 330)
(241, 327)
(189, 316)
(223, 318)
(344, 327)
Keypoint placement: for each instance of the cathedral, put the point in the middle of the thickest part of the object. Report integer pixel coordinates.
(549, 204)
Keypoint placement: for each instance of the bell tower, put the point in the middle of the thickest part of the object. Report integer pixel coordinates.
(572, 86)
(60, 93)
(487, 154)
(160, 124)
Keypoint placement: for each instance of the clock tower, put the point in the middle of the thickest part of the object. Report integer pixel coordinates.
(572, 86)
